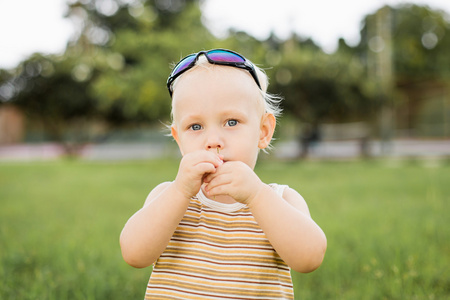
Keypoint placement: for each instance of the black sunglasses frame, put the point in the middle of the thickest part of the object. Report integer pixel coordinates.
(246, 65)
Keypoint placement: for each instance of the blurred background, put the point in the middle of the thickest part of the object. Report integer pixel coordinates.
(365, 135)
(87, 78)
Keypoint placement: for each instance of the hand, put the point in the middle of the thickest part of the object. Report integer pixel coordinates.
(235, 179)
(193, 168)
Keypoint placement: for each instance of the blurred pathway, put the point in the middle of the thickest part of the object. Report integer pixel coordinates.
(351, 149)
(283, 150)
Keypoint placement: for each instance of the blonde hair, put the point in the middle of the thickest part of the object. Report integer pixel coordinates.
(271, 102)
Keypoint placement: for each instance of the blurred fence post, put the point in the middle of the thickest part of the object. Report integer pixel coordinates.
(380, 69)
(446, 109)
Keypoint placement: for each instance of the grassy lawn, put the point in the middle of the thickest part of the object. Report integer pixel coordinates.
(386, 222)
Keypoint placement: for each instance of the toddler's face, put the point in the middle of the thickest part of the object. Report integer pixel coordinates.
(220, 107)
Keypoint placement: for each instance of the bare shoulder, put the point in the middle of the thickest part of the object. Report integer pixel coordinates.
(296, 200)
(156, 191)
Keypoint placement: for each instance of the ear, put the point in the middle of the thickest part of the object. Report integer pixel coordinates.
(268, 123)
(174, 133)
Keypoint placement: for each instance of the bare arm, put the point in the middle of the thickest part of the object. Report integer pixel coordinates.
(288, 226)
(148, 232)
(285, 220)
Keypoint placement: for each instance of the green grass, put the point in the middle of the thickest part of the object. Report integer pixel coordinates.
(386, 223)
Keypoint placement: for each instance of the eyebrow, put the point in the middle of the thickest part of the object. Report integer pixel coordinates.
(185, 120)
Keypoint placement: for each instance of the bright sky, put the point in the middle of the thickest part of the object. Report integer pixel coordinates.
(28, 26)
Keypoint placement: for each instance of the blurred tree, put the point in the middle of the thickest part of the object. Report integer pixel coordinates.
(421, 42)
(131, 44)
(420, 60)
(245, 44)
(321, 88)
(6, 86)
(114, 69)
(48, 92)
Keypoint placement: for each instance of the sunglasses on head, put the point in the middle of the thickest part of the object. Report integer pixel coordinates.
(217, 56)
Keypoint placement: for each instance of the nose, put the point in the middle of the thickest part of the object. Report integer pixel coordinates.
(215, 147)
(214, 142)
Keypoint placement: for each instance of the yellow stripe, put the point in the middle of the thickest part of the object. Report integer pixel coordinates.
(199, 284)
(217, 217)
(270, 282)
(226, 241)
(252, 251)
(164, 293)
(224, 288)
(224, 257)
(233, 233)
(224, 270)
(223, 224)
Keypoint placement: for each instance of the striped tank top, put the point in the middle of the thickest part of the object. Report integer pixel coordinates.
(218, 251)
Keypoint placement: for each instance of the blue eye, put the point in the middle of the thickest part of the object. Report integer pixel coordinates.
(196, 127)
(232, 123)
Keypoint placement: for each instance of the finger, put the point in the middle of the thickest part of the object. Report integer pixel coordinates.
(209, 177)
(220, 160)
(218, 190)
(198, 157)
(204, 168)
(219, 171)
(213, 158)
(218, 185)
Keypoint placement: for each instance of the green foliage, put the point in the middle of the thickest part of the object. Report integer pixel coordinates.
(320, 87)
(116, 67)
(421, 41)
(131, 82)
(386, 224)
(47, 89)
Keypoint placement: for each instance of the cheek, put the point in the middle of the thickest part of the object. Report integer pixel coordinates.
(246, 143)
(189, 144)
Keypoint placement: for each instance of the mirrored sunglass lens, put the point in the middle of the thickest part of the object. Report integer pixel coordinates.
(225, 56)
(183, 64)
